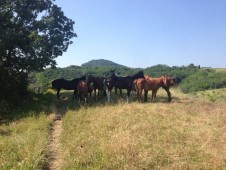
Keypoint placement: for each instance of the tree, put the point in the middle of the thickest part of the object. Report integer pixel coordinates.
(32, 34)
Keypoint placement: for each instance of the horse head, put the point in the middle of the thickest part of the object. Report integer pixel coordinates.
(89, 79)
(169, 81)
(173, 81)
(109, 82)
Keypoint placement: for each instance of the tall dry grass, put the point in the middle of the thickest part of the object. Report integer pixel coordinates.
(24, 134)
(23, 143)
(187, 133)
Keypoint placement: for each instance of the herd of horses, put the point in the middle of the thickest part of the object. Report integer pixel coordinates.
(102, 86)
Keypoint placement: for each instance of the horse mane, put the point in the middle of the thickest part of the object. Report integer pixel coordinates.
(139, 74)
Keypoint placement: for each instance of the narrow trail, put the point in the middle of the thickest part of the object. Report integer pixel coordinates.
(55, 149)
(55, 159)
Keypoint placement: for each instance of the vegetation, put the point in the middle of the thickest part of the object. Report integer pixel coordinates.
(24, 134)
(186, 134)
(204, 79)
(33, 34)
(189, 78)
(183, 134)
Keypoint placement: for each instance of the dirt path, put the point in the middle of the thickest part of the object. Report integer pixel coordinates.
(55, 149)
(55, 159)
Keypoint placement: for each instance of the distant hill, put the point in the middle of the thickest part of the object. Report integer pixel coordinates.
(101, 63)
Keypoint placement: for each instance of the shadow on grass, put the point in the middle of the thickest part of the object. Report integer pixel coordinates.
(48, 103)
(34, 105)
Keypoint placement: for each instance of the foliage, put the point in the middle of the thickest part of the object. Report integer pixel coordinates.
(179, 72)
(204, 79)
(75, 71)
(33, 34)
(190, 78)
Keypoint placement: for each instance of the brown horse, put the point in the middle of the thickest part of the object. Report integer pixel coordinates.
(82, 89)
(150, 83)
(98, 84)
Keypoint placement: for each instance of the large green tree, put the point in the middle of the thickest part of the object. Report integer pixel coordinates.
(32, 34)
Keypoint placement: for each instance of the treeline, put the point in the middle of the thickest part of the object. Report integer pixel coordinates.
(190, 78)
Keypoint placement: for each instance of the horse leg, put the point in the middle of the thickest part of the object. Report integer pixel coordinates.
(85, 95)
(138, 96)
(116, 90)
(79, 97)
(95, 94)
(139, 93)
(98, 94)
(168, 93)
(155, 92)
(152, 95)
(58, 93)
(75, 95)
(120, 90)
(128, 94)
(145, 95)
(109, 96)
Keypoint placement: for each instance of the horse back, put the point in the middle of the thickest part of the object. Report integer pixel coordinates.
(154, 83)
(98, 82)
(123, 82)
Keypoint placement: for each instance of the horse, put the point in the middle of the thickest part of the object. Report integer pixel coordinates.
(122, 83)
(150, 83)
(170, 81)
(98, 84)
(82, 89)
(59, 84)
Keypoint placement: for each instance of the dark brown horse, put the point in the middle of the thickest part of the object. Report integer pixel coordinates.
(122, 82)
(150, 83)
(98, 84)
(59, 84)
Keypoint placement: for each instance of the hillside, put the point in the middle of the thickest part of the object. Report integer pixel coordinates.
(101, 63)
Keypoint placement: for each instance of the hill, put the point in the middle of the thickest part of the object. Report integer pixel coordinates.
(101, 63)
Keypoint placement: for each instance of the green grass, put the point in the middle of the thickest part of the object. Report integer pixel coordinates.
(23, 143)
(184, 134)
(24, 134)
(220, 69)
(218, 95)
(188, 133)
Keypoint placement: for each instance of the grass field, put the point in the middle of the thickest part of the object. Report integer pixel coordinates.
(188, 133)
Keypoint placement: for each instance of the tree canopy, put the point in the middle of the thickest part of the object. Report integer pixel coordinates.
(32, 34)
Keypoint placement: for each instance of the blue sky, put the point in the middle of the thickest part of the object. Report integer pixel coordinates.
(143, 33)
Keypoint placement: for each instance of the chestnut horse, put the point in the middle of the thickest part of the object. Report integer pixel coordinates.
(82, 89)
(122, 82)
(150, 83)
